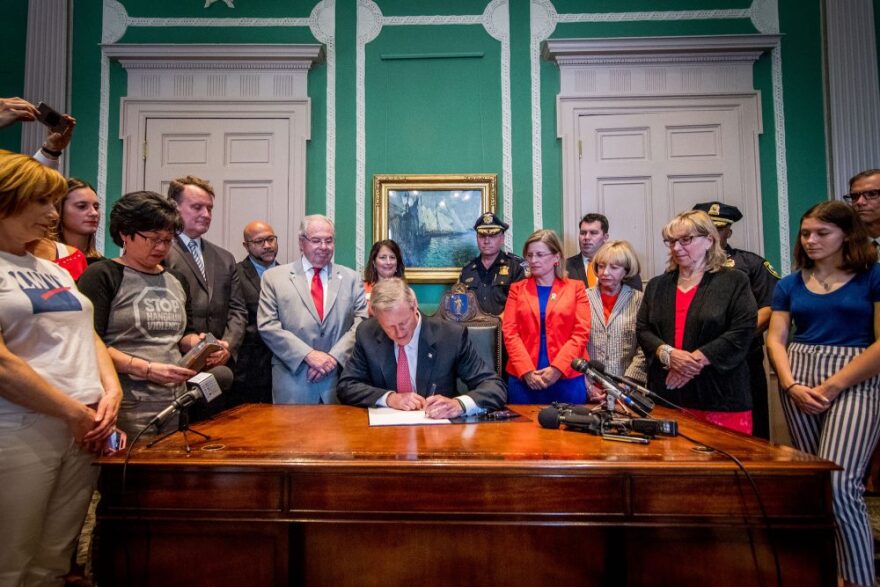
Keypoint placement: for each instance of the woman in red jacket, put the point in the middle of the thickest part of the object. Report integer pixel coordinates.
(546, 324)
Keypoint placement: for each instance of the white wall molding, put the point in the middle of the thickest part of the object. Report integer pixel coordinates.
(650, 74)
(203, 72)
(853, 99)
(45, 66)
(321, 22)
(495, 19)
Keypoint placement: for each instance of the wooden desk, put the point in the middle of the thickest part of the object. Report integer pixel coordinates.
(312, 495)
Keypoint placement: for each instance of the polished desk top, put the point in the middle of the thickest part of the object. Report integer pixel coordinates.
(306, 435)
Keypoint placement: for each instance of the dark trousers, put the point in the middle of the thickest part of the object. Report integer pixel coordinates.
(758, 384)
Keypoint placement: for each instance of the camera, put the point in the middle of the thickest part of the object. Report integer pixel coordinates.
(51, 118)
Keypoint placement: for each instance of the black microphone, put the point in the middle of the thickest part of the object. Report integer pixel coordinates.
(589, 369)
(550, 417)
(206, 385)
(634, 398)
(625, 381)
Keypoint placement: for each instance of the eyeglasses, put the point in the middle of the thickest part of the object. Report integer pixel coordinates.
(155, 240)
(869, 195)
(683, 240)
(269, 240)
(537, 255)
(320, 241)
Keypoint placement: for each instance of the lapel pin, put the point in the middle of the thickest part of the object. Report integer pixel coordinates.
(553, 296)
(430, 355)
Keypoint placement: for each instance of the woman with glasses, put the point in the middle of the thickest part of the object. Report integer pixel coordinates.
(614, 306)
(142, 309)
(829, 375)
(546, 324)
(385, 261)
(696, 324)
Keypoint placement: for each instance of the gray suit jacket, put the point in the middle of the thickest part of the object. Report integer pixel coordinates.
(289, 325)
(217, 302)
(615, 344)
(574, 266)
(445, 352)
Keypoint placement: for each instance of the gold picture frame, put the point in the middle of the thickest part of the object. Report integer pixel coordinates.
(406, 209)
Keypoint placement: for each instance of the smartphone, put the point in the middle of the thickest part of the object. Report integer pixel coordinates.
(50, 117)
(115, 442)
(501, 415)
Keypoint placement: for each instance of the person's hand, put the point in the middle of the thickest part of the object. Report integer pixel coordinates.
(57, 140)
(406, 401)
(220, 357)
(676, 380)
(440, 406)
(808, 400)
(548, 376)
(80, 419)
(595, 393)
(684, 362)
(533, 381)
(168, 374)
(13, 110)
(321, 364)
(105, 418)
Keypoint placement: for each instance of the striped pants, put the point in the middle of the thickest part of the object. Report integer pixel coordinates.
(845, 434)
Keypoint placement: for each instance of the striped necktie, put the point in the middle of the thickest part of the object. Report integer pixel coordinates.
(197, 256)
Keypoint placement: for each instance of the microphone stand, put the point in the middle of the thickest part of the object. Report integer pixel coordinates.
(183, 427)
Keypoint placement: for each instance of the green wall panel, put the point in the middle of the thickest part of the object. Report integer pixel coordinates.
(13, 29)
(804, 107)
(196, 9)
(583, 6)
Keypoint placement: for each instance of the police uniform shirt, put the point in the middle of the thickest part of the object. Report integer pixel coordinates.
(491, 285)
(762, 276)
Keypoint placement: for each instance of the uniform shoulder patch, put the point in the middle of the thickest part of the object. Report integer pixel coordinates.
(729, 262)
(771, 270)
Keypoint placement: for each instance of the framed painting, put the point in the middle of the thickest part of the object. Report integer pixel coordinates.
(431, 217)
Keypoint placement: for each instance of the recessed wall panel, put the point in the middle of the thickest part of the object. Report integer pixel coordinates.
(693, 142)
(244, 203)
(685, 191)
(248, 149)
(622, 144)
(185, 150)
(626, 203)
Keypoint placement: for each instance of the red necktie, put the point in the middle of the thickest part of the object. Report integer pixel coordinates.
(318, 292)
(404, 385)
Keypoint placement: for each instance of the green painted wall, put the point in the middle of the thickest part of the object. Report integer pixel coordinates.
(441, 111)
(13, 29)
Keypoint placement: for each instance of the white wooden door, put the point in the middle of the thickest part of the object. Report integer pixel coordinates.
(642, 169)
(246, 160)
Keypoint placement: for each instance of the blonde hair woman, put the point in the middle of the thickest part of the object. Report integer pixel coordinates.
(696, 324)
(614, 306)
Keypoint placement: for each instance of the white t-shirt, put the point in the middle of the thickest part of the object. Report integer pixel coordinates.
(48, 323)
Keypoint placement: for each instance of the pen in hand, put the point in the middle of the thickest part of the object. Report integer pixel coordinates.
(428, 398)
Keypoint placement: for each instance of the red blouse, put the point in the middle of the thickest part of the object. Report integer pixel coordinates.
(682, 303)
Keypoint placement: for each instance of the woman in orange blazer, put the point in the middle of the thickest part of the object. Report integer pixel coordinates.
(546, 324)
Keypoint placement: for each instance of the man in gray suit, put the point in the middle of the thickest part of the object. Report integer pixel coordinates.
(215, 292)
(407, 361)
(307, 317)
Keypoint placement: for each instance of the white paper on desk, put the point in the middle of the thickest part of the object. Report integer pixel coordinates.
(392, 417)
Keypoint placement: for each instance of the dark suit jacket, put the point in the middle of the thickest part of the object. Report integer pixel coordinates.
(574, 266)
(720, 322)
(217, 302)
(253, 368)
(445, 352)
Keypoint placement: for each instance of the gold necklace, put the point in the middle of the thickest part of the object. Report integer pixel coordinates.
(825, 285)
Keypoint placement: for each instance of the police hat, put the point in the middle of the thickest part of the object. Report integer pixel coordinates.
(488, 223)
(721, 214)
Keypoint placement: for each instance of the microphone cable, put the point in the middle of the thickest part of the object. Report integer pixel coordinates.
(764, 517)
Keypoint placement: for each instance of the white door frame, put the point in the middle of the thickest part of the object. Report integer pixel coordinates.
(653, 74)
(216, 81)
(133, 132)
(747, 107)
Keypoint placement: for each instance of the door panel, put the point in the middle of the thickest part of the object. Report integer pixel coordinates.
(246, 160)
(642, 169)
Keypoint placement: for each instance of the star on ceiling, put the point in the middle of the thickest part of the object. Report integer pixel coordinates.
(226, 2)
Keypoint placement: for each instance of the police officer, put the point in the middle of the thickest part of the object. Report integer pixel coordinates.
(490, 274)
(762, 278)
